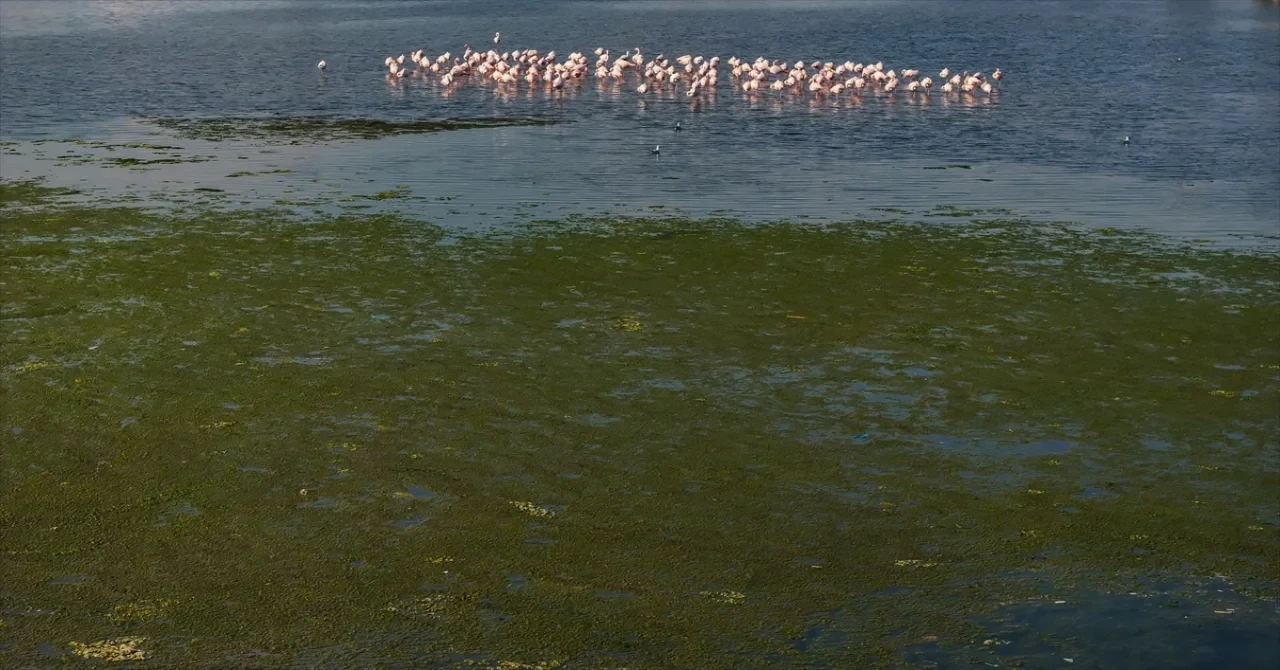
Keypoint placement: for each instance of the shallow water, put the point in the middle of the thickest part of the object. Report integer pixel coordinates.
(1203, 161)
(248, 438)
(1149, 626)
(822, 386)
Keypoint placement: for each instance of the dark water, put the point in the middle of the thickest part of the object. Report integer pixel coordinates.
(1204, 158)
(1147, 628)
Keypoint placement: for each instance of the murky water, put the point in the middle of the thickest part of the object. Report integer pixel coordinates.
(1203, 160)
(821, 386)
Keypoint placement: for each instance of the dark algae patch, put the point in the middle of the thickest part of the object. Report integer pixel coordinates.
(247, 439)
(134, 162)
(322, 129)
(251, 173)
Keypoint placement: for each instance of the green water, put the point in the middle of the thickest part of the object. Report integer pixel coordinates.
(257, 440)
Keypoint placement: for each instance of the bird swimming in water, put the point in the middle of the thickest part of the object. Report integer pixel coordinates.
(657, 149)
(322, 65)
(497, 37)
(678, 128)
(1125, 140)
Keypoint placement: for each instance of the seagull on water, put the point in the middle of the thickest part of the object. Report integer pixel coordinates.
(322, 65)
(1125, 140)
(678, 128)
(657, 149)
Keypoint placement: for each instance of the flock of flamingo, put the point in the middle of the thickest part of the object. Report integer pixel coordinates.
(690, 73)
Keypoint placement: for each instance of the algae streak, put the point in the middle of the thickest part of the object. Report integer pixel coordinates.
(322, 129)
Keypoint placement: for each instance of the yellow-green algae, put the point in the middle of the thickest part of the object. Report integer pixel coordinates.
(30, 193)
(641, 443)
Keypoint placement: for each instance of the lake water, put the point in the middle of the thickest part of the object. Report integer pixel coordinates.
(506, 428)
(1192, 83)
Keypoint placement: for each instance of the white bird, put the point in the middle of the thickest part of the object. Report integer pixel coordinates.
(657, 149)
(322, 65)
(1125, 140)
(497, 37)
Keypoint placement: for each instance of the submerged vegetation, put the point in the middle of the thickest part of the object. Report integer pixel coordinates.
(30, 192)
(249, 438)
(130, 161)
(254, 173)
(71, 152)
(299, 129)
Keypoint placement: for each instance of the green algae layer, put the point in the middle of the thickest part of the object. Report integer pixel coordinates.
(324, 129)
(250, 440)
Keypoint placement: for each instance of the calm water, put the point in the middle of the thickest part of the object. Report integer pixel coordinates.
(234, 439)
(1204, 160)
